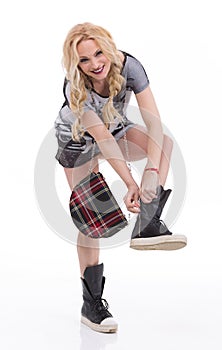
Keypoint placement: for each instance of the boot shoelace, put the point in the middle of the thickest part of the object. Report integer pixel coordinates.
(100, 304)
(160, 224)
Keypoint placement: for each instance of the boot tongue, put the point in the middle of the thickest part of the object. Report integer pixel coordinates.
(163, 196)
(94, 276)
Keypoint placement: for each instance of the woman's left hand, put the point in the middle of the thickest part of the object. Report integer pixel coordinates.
(149, 184)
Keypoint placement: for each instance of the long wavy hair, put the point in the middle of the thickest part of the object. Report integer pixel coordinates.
(79, 82)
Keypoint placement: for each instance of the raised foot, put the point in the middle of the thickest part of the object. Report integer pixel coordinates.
(164, 242)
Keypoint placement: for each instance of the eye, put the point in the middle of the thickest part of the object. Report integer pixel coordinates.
(99, 53)
(83, 60)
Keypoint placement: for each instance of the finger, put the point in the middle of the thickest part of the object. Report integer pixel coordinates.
(151, 193)
(145, 199)
(128, 202)
(148, 195)
(134, 210)
(136, 197)
(136, 202)
(132, 206)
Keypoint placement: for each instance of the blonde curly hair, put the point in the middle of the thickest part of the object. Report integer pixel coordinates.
(79, 82)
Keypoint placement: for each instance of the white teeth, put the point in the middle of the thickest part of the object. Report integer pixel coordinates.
(98, 70)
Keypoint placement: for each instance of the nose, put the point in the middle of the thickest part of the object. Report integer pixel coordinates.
(94, 63)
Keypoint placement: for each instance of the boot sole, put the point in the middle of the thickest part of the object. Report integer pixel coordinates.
(165, 242)
(98, 327)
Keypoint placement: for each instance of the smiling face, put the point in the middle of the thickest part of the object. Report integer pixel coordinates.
(92, 61)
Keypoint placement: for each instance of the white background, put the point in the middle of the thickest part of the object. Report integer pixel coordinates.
(169, 300)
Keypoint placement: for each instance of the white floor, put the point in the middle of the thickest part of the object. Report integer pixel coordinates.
(172, 311)
(169, 300)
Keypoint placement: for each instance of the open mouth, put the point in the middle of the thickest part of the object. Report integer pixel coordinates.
(98, 71)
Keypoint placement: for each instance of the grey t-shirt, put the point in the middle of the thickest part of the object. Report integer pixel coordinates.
(136, 81)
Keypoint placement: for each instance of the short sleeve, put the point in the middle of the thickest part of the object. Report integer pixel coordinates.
(136, 76)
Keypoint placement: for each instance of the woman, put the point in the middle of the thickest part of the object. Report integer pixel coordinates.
(97, 88)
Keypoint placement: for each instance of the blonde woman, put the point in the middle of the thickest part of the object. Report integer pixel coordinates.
(99, 82)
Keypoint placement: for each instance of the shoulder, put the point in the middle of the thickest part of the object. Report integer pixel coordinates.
(134, 64)
(128, 60)
(134, 73)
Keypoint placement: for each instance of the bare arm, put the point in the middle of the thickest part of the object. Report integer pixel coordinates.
(151, 117)
(112, 153)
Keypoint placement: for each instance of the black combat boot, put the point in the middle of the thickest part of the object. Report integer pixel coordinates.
(151, 233)
(94, 311)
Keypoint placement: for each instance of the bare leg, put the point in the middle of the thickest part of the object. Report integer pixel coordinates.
(88, 253)
(87, 248)
(137, 138)
(94, 311)
(165, 159)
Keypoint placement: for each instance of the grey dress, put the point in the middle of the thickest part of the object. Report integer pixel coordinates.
(71, 153)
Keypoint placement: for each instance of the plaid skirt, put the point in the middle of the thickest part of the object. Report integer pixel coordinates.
(72, 154)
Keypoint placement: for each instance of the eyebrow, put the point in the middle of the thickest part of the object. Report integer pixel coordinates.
(92, 55)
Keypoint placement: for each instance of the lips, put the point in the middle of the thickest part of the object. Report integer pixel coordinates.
(98, 70)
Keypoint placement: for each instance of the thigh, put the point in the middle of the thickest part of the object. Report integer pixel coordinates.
(75, 175)
(137, 140)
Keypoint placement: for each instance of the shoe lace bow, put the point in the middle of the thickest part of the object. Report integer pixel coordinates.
(100, 304)
(160, 224)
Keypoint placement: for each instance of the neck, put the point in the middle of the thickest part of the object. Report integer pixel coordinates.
(101, 87)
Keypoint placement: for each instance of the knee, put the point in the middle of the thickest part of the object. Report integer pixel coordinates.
(168, 143)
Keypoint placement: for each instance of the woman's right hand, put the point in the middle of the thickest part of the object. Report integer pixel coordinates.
(131, 199)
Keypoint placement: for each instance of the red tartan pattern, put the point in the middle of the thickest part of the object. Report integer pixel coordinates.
(94, 209)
